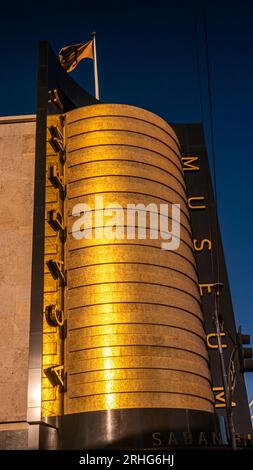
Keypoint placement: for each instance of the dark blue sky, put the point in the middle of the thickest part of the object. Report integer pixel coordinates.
(147, 57)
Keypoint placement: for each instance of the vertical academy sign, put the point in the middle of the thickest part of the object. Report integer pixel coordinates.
(211, 269)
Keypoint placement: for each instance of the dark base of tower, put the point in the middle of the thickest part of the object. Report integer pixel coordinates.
(140, 429)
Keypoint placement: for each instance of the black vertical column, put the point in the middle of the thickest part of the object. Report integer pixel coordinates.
(50, 77)
(211, 269)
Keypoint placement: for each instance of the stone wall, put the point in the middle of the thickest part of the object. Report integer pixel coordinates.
(17, 155)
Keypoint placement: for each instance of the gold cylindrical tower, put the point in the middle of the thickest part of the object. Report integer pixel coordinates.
(135, 330)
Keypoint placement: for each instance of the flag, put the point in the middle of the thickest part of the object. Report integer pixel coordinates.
(70, 56)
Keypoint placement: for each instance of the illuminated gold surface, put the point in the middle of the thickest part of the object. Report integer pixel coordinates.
(79, 359)
(135, 332)
(52, 397)
(153, 256)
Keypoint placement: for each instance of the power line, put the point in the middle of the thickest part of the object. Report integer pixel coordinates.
(216, 227)
(198, 60)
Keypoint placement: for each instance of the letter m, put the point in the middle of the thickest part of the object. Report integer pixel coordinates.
(188, 163)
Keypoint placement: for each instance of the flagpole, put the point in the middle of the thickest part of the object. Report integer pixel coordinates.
(95, 66)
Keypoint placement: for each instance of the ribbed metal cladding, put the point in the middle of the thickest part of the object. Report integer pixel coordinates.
(135, 333)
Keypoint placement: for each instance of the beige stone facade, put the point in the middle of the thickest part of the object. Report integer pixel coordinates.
(17, 155)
